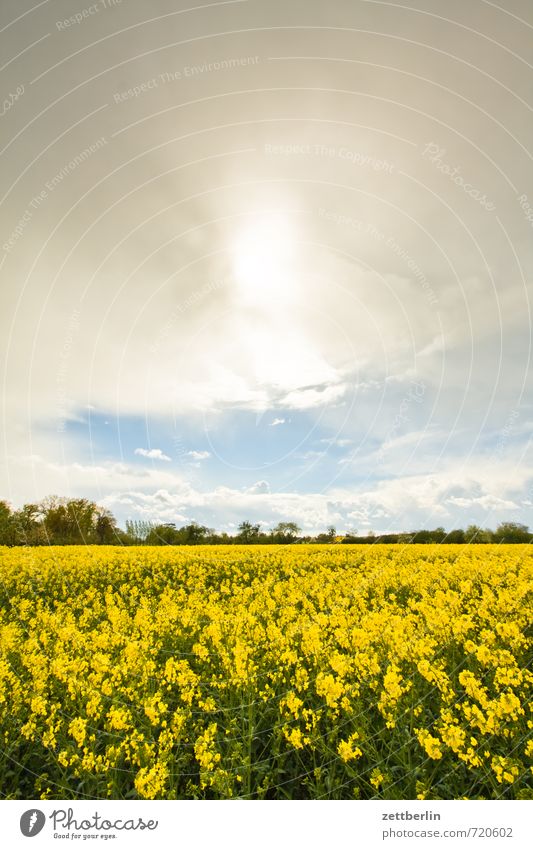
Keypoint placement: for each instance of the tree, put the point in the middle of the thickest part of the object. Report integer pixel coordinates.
(512, 532)
(248, 532)
(11, 526)
(457, 537)
(69, 521)
(286, 531)
(138, 531)
(6, 524)
(163, 535)
(28, 527)
(329, 536)
(193, 534)
(106, 528)
(475, 534)
(423, 536)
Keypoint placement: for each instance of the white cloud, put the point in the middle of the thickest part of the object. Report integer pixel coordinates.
(395, 504)
(259, 488)
(309, 455)
(325, 302)
(339, 443)
(308, 398)
(152, 454)
(484, 493)
(199, 455)
(487, 502)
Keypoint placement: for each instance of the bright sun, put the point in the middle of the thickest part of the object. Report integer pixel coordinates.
(264, 262)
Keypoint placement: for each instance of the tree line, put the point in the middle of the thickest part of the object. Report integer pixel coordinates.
(78, 521)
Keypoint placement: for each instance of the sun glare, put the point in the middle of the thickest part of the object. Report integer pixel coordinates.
(264, 262)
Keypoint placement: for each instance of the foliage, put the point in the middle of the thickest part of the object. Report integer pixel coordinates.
(138, 531)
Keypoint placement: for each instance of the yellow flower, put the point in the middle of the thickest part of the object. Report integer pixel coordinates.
(205, 748)
(155, 708)
(505, 769)
(453, 736)
(193, 671)
(431, 745)
(63, 758)
(330, 688)
(376, 778)
(150, 782)
(295, 738)
(292, 703)
(118, 719)
(78, 730)
(347, 749)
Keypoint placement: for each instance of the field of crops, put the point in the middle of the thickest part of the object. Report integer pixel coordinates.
(328, 671)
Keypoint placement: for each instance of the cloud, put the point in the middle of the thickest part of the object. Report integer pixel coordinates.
(308, 398)
(339, 443)
(487, 494)
(378, 284)
(198, 455)
(402, 504)
(487, 502)
(152, 454)
(259, 488)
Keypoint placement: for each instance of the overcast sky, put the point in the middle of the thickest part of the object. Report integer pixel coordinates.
(269, 260)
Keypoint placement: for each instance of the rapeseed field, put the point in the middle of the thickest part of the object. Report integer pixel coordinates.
(334, 672)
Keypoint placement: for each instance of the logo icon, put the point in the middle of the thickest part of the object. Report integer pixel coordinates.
(32, 822)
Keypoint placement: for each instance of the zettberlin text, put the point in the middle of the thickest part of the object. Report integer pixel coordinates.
(407, 815)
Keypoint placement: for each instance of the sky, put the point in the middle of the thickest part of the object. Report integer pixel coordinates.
(268, 261)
